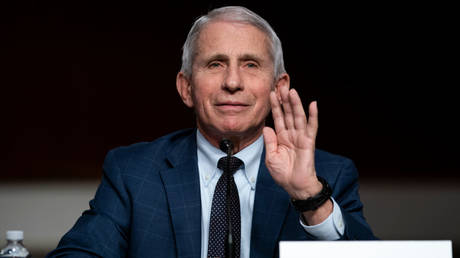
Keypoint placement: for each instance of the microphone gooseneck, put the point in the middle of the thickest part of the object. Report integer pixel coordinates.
(227, 146)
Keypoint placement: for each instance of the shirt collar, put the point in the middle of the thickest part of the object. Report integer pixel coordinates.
(249, 155)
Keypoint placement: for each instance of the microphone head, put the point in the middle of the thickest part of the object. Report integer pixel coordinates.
(226, 146)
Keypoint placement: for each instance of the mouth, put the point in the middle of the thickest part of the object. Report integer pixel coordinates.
(231, 106)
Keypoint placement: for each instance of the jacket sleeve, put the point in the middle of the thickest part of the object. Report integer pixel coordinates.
(102, 230)
(346, 193)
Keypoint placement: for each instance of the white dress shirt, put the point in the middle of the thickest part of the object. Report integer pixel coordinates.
(245, 179)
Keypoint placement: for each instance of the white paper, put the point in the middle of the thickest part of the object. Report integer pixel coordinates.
(366, 249)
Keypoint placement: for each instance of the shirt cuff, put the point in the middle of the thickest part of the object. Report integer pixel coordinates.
(330, 229)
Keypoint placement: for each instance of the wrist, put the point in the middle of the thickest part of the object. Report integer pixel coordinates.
(318, 216)
(313, 202)
(310, 190)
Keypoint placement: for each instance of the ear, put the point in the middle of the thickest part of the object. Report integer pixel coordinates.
(283, 81)
(184, 88)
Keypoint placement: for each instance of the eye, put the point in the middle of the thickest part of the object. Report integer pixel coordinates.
(214, 65)
(251, 65)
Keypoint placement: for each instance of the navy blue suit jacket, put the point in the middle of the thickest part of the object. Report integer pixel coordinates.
(148, 205)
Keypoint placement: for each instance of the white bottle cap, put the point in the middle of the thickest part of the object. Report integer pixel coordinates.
(15, 235)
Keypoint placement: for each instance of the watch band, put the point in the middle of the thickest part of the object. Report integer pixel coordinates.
(314, 202)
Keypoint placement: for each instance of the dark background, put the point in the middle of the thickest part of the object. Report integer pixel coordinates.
(81, 77)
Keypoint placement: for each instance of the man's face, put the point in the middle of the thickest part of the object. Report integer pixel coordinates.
(232, 77)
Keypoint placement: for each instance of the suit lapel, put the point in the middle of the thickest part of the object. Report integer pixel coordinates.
(182, 187)
(270, 208)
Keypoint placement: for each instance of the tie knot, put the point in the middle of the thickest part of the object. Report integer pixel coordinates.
(235, 164)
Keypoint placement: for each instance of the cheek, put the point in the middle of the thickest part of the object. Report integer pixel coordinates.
(264, 94)
(201, 100)
(267, 99)
(263, 100)
(203, 87)
(200, 95)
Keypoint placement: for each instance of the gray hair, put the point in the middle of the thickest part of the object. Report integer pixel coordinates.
(232, 14)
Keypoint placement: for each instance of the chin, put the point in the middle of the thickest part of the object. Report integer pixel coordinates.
(239, 130)
(232, 131)
(233, 127)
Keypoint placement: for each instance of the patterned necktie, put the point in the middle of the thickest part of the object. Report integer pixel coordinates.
(218, 225)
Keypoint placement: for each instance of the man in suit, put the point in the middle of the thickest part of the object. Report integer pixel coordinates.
(156, 199)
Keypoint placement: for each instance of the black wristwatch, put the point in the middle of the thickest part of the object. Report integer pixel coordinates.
(314, 202)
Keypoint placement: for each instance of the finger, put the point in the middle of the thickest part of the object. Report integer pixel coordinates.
(277, 113)
(300, 119)
(288, 115)
(271, 142)
(312, 124)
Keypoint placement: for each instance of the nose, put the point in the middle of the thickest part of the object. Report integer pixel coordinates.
(232, 81)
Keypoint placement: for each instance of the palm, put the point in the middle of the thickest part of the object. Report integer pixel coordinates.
(290, 151)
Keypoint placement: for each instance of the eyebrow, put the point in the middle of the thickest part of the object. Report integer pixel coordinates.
(251, 57)
(220, 57)
(244, 57)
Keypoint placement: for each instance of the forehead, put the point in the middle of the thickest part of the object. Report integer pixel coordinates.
(224, 37)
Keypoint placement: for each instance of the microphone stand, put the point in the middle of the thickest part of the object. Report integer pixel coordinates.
(227, 146)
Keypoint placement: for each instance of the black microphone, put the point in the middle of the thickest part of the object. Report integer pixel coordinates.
(227, 146)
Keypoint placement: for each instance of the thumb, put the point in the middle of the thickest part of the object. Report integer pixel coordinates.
(271, 141)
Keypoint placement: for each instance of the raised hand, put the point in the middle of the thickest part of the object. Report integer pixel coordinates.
(290, 151)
